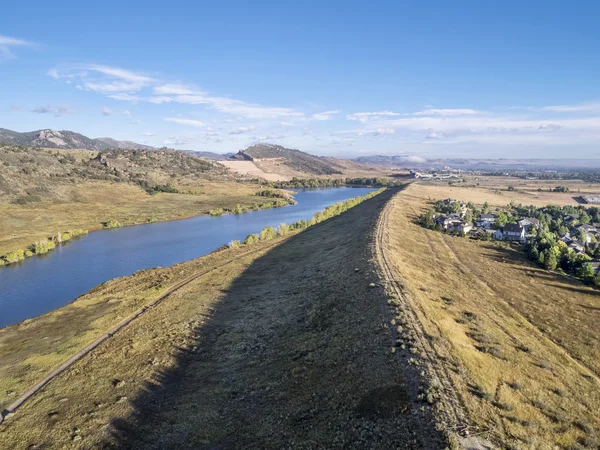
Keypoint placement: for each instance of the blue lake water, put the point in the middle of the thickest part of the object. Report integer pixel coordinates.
(41, 284)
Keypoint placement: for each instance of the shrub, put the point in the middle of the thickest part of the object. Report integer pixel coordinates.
(283, 229)
(267, 233)
(216, 212)
(41, 247)
(238, 209)
(234, 244)
(13, 257)
(251, 239)
(112, 223)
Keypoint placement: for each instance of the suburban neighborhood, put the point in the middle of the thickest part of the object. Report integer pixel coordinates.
(558, 238)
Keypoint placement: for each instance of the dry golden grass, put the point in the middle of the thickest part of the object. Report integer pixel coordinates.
(523, 344)
(31, 349)
(88, 205)
(496, 192)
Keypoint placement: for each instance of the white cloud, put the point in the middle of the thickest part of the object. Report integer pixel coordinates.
(8, 43)
(381, 131)
(106, 111)
(242, 130)
(173, 89)
(148, 134)
(190, 122)
(325, 115)
(433, 135)
(135, 121)
(365, 117)
(175, 140)
(58, 111)
(446, 112)
(550, 126)
(125, 85)
(582, 107)
(14, 107)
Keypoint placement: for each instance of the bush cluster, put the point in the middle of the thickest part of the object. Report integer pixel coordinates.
(40, 247)
(283, 229)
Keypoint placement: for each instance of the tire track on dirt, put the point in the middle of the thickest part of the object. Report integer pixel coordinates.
(452, 406)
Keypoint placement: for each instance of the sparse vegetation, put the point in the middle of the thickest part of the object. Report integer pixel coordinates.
(519, 364)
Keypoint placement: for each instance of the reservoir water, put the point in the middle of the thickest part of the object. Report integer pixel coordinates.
(41, 284)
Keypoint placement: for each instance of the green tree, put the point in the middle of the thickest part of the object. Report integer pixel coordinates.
(586, 273)
(468, 216)
(501, 219)
(550, 261)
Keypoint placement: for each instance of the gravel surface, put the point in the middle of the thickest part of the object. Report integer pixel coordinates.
(299, 353)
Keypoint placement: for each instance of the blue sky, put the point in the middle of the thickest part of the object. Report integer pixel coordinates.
(422, 79)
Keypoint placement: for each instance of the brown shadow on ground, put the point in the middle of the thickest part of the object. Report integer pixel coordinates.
(295, 355)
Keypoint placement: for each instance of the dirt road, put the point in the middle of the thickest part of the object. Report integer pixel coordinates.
(297, 355)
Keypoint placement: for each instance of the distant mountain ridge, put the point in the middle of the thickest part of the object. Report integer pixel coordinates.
(66, 139)
(296, 159)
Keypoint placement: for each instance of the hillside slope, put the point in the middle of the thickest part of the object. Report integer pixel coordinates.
(39, 174)
(295, 159)
(65, 139)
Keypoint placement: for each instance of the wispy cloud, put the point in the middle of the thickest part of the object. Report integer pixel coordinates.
(325, 115)
(148, 134)
(57, 111)
(7, 44)
(242, 130)
(446, 112)
(581, 107)
(365, 117)
(126, 85)
(189, 122)
(106, 111)
(14, 107)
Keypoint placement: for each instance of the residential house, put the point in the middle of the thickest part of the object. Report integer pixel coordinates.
(510, 232)
(486, 220)
(465, 227)
(529, 222)
(577, 246)
(570, 218)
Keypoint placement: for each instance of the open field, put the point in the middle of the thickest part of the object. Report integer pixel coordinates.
(519, 346)
(250, 169)
(88, 205)
(496, 193)
(285, 347)
(275, 169)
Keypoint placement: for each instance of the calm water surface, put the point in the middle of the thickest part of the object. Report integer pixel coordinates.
(42, 284)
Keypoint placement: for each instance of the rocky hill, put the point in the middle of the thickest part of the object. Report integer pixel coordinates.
(31, 174)
(295, 159)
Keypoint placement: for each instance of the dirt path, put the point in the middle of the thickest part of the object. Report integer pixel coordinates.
(450, 406)
(296, 355)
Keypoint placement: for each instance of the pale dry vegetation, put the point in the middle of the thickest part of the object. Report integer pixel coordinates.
(496, 192)
(522, 344)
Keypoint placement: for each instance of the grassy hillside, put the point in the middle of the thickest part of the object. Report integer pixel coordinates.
(45, 191)
(29, 174)
(295, 159)
(518, 345)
